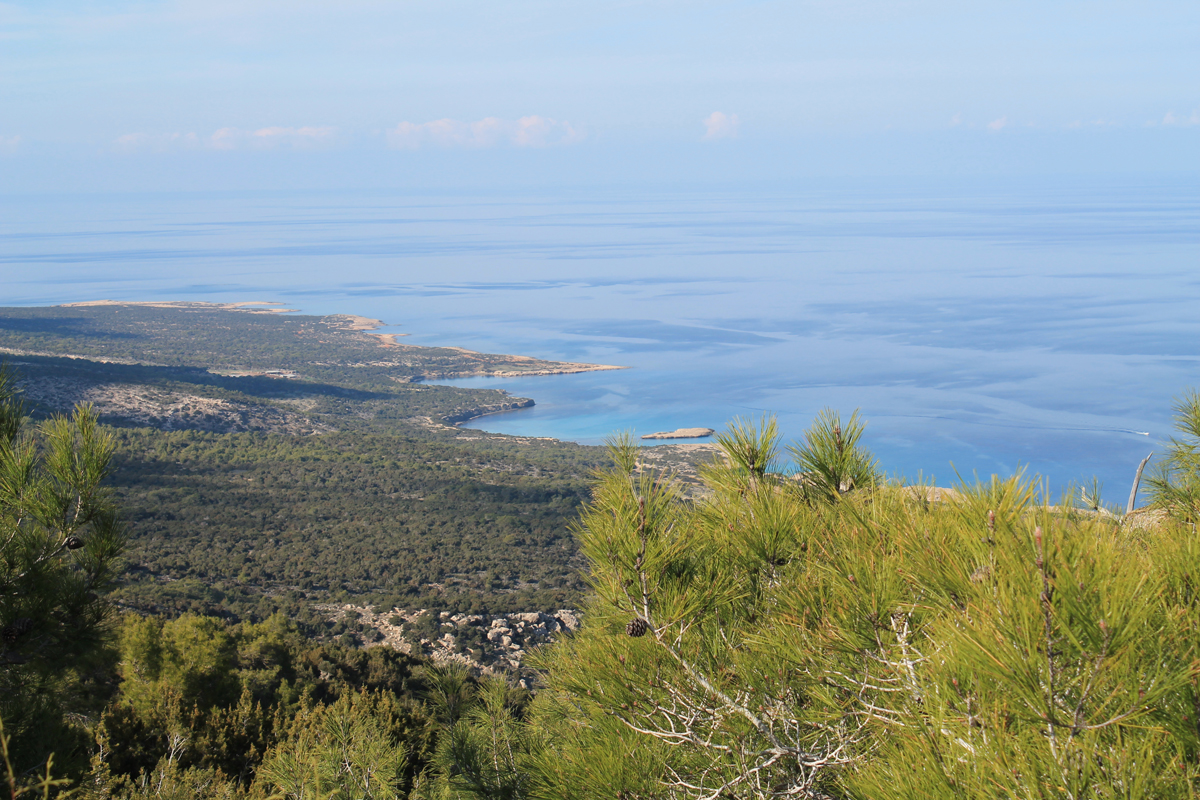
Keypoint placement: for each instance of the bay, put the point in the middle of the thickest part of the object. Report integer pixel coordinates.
(992, 326)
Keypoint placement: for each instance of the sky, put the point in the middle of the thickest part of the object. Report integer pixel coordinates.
(217, 94)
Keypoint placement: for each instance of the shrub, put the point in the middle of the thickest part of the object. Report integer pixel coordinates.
(1176, 485)
(758, 644)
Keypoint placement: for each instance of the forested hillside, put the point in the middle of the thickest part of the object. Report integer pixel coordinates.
(271, 461)
(246, 523)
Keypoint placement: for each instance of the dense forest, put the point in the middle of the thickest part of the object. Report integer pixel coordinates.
(247, 523)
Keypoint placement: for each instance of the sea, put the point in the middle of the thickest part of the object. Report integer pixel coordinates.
(979, 327)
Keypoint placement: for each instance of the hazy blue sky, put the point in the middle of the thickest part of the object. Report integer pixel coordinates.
(214, 93)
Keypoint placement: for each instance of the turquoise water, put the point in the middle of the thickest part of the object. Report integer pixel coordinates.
(1046, 326)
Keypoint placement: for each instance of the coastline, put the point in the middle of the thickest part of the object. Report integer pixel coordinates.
(568, 368)
(421, 363)
(466, 415)
(244, 305)
(368, 326)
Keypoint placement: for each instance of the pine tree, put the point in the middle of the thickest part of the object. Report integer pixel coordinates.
(342, 751)
(768, 641)
(1176, 485)
(60, 543)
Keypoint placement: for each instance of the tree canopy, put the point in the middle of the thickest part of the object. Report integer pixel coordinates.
(815, 636)
(60, 541)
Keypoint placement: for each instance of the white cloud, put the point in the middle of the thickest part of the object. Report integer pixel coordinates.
(1170, 119)
(532, 131)
(997, 124)
(535, 131)
(718, 125)
(956, 120)
(307, 138)
(9, 144)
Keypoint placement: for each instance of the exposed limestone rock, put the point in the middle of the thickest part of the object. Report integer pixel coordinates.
(486, 644)
(164, 409)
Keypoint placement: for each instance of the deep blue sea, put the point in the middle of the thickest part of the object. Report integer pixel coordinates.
(990, 326)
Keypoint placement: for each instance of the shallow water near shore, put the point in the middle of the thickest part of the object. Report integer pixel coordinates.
(1046, 326)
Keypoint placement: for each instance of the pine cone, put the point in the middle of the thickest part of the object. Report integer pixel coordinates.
(637, 627)
(15, 630)
(73, 543)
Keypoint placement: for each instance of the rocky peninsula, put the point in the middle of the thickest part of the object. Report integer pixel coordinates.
(248, 366)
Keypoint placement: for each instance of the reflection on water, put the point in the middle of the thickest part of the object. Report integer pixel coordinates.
(989, 327)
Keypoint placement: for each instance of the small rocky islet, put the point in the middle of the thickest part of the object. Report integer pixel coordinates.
(681, 433)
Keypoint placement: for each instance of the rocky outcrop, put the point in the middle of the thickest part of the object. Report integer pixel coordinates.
(482, 411)
(168, 410)
(486, 643)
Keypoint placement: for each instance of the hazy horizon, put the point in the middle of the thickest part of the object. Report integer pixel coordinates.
(188, 95)
(978, 222)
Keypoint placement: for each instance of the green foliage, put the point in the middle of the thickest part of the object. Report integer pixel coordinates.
(1090, 498)
(1176, 485)
(634, 527)
(752, 447)
(1055, 665)
(830, 460)
(378, 517)
(581, 752)
(482, 754)
(342, 751)
(449, 693)
(622, 449)
(12, 410)
(880, 646)
(169, 781)
(190, 657)
(24, 785)
(202, 700)
(60, 543)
